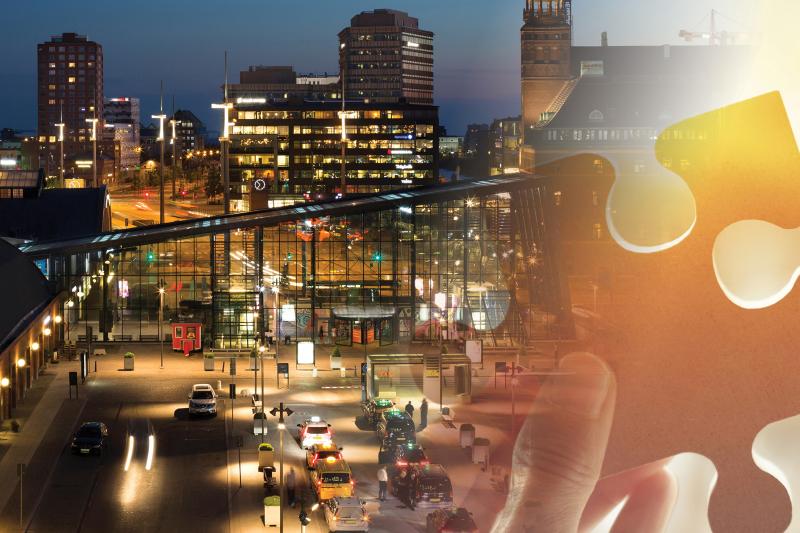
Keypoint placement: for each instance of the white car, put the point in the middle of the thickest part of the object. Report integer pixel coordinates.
(346, 514)
(313, 431)
(203, 400)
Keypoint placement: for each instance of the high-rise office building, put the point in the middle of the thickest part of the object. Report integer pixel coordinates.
(386, 57)
(70, 85)
(190, 130)
(121, 116)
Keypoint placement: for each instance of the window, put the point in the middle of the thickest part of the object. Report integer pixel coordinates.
(71, 64)
(71, 79)
(557, 198)
(597, 231)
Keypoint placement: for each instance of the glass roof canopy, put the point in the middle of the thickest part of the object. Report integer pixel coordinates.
(271, 217)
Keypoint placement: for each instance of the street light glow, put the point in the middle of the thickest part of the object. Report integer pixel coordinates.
(57, 319)
(34, 346)
(47, 332)
(4, 382)
(21, 363)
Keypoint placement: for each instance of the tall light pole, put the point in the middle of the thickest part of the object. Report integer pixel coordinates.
(279, 412)
(93, 122)
(174, 142)
(224, 141)
(277, 292)
(161, 292)
(343, 75)
(161, 118)
(60, 127)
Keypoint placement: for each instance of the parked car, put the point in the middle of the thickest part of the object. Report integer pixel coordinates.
(346, 514)
(432, 486)
(374, 407)
(91, 438)
(396, 425)
(456, 520)
(313, 431)
(322, 452)
(203, 400)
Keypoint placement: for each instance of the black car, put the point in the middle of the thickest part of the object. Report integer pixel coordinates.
(396, 425)
(433, 487)
(451, 521)
(403, 455)
(374, 407)
(91, 438)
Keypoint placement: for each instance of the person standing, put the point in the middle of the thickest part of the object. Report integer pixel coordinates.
(411, 490)
(410, 409)
(291, 484)
(423, 414)
(383, 478)
(402, 488)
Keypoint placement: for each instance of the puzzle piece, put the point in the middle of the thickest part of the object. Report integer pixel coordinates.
(696, 372)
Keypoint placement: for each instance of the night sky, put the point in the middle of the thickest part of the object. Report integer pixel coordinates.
(182, 42)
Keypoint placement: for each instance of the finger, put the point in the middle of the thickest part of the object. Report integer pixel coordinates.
(559, 451)
(611, 490)
(649, 506)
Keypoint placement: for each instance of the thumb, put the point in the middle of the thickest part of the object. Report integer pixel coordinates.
(559, 451)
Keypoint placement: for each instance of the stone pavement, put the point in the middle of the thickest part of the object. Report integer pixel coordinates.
(44, 434)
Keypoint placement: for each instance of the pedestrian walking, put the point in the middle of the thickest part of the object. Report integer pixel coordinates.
(383, 478)
(423, 414)
(410, 409)
(291, 485)
(321, 333)
(401, 488)
(411, 491)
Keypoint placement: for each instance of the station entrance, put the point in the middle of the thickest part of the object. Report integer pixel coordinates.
(440, 378)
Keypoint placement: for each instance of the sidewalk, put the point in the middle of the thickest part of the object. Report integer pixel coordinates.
(44, 433)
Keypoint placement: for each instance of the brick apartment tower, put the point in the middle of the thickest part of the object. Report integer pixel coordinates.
(70, 77)
(386, 57)
(546, 50)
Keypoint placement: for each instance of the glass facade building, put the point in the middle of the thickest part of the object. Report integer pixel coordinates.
(388, 147)
(467, 260)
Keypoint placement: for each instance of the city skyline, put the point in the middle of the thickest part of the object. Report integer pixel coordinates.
(473, 87)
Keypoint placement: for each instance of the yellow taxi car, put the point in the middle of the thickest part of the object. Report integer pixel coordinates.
(321, 452)
(332, 478)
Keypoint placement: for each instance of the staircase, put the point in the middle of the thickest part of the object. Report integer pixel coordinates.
(558, 102)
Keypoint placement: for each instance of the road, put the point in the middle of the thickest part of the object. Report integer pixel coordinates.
(193, 482)
(144, 206)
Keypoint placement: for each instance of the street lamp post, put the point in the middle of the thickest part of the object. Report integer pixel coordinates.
(174, 142)
(343, 184)
(224, 141)
(161, 118)
(93, 122)
(280, 412)
(161, 322)
(277, 292)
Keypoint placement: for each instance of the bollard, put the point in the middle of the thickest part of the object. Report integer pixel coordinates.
(95, 366)
(343, 372)
(219, 384)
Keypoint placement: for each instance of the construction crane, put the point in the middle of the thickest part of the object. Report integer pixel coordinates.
(714, 37)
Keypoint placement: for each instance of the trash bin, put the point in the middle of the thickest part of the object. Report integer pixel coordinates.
(258, 424)
(480, 452)
(272, 511)
(466, 435)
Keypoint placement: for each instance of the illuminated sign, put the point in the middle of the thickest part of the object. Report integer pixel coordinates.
(251, 100)
(259, 184)
(350, 115)
(592, 68)
(305, 353)
(122, 288)
(83, 164)
(405, 136)
(74, 183)
(412, 45)
(120, 100)
(407, 182)
(400, 152)
(8, 162)
(404, 167)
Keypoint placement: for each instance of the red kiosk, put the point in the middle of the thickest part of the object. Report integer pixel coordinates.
(187, 337)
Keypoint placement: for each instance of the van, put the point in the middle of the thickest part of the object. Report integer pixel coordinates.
(332, 478)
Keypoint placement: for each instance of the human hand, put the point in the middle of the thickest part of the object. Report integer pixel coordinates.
(558, 457)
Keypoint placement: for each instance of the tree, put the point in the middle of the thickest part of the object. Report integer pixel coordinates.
(213, 182)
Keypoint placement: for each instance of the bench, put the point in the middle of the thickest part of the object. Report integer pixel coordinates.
(148, 338)
(123, 338)
(82, 338)
(448, 417)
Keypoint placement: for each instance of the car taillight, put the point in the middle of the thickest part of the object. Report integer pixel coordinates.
(402, 463)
